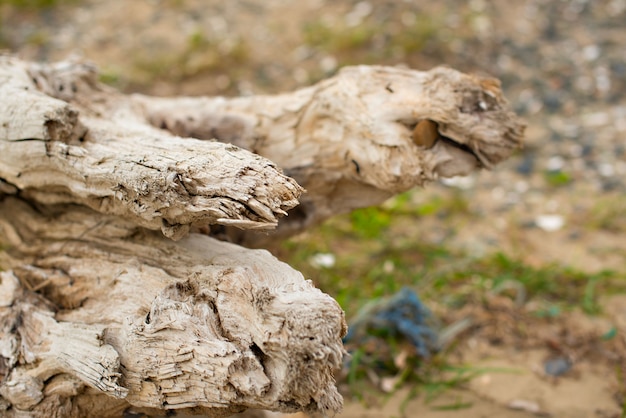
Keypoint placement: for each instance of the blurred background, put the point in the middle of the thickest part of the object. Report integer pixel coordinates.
(520, 272)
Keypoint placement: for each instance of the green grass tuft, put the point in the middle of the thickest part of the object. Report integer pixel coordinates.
(557, 178)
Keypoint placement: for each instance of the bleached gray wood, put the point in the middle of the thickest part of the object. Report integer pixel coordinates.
(101, 313)
(194, 326)
(66, 138)
(354, 140)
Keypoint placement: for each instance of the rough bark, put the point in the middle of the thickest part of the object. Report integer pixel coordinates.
(352, 141)
(101, 314)
(91, 305)
(360, 137)
(66, 138)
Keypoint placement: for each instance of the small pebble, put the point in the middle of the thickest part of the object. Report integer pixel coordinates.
(591, 52)
(527, 165)
(460, 182)
(549, 223)
(557, 366)
(325, 260)
(524, 405)
(328, 64)
(555, 163)
(425, 133)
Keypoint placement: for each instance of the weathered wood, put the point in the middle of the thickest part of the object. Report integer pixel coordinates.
(352, 141)
(360, 137)
(195, 326)
(101, 314)
(66, 138)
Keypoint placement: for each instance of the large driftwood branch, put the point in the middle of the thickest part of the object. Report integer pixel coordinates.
(198, 326)
(360, 137)
(353, 140)
(99, 315)
(66, 138)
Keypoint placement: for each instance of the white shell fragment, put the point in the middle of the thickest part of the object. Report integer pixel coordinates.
(550, 222)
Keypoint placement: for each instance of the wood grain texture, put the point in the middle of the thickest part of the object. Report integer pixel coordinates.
(111, 302)
(67, 139)
(197, 325)
(349, 140)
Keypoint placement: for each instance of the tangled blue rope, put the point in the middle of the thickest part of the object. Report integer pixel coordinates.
(402, 314)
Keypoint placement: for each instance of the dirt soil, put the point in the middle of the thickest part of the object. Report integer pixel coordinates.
(561, 200)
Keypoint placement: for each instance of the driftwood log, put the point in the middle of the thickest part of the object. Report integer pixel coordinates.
(94, 305)
(358, 138)
(114, 299)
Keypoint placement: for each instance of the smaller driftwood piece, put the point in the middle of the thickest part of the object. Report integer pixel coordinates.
(113, 297)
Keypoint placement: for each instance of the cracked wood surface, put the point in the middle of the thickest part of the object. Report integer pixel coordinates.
(66, 138)
(351, 141)
(100, 314)
(91, 305)
(360, 137)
